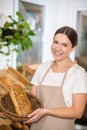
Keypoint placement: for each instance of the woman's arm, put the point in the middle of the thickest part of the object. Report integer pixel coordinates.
(75, 111)
(34, 90)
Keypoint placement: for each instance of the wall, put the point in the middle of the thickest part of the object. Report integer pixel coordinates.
(6, 6)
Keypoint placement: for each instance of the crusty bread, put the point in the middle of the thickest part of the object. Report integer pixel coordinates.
(20, 100)
(17, 75)
(6, 82)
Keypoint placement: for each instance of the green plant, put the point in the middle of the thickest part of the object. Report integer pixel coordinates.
(15, 33)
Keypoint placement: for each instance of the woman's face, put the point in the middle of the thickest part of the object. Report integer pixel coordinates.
(61, 47)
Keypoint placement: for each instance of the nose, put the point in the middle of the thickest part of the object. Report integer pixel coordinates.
(58, 47)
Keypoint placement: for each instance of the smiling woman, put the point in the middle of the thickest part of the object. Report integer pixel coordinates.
(55, 84)
(61, 48)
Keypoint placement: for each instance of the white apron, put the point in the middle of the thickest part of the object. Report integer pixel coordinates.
(52, 97)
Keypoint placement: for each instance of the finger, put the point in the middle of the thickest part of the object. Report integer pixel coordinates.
(30, 119)
(25, 122)
(32, 114)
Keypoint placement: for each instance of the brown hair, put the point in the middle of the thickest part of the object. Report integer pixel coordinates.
(70, 33)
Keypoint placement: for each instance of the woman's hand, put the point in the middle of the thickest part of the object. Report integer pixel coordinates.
(36, 115)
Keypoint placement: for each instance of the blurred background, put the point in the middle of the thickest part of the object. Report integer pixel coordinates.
(45, 17)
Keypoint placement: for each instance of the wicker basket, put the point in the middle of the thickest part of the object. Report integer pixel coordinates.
(8, 109)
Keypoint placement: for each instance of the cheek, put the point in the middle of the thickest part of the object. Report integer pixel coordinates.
(66, 49)
(52, 47)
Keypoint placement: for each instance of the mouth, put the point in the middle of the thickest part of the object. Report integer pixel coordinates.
(57, 53)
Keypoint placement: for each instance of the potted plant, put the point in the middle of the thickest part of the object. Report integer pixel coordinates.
(15, 33)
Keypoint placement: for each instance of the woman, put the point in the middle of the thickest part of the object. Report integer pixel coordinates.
(60, 85)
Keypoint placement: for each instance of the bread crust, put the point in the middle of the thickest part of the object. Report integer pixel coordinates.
(20, 100)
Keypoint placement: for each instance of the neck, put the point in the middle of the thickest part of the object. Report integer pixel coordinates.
(65, 62)
(62, 66)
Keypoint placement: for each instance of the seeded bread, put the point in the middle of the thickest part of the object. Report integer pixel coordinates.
(20, 100)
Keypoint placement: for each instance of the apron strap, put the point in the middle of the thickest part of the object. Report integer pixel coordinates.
(45, 74)
(48, 71)
(63, 79)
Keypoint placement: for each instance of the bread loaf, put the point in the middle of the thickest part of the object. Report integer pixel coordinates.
(6, 82)
(20, 100)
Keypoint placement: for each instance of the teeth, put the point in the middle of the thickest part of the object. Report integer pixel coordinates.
(58, 53)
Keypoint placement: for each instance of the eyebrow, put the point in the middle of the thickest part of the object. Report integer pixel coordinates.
(61, 42)
(65, 43)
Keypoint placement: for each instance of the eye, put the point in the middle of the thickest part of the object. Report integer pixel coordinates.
(65, 44)
(55, 42)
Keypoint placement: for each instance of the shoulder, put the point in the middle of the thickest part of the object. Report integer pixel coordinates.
(80, 68)
(76, 73)
(41, 69)
(77, 69)
(45, 65)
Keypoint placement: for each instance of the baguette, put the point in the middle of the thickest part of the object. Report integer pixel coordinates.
(6, 82)
(16, 74)
(20, 100)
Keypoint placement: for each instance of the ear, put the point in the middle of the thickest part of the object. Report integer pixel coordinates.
(73, 48)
